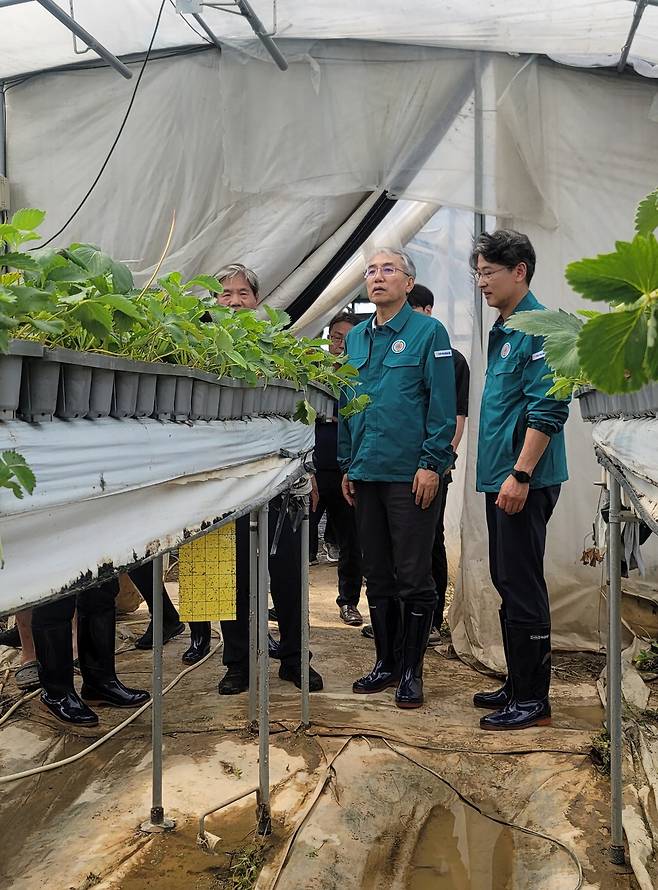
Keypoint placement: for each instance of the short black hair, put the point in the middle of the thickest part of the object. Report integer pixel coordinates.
(349, 317)
(420, 296)
(507, 248)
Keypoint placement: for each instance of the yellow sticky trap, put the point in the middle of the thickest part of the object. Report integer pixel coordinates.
(206, 576)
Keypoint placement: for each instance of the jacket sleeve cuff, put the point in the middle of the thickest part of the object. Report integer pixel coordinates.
(547, 429)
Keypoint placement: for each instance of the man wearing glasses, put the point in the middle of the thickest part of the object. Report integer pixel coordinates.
(393, 456)
(520, 466)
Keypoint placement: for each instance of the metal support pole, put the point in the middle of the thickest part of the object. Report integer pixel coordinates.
(209, 31)
(614, 673)
(3, 147)
(157, 822)
(86, 37)
(306, 719)
(479, 221)
(259, 30)
(253, 616)
(640, 6)
(264, 824)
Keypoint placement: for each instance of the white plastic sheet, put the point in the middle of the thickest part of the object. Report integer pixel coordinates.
(590, 32)
(111, 492)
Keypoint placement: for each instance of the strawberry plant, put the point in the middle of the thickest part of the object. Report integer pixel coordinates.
(615, 351)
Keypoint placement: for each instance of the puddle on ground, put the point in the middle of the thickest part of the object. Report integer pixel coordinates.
(578, 716)
(458, 849)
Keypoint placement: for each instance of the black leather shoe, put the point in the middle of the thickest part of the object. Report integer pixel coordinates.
(168, 633)
(11, 638)
(114, 694)
(234, 681)
(351, 615)
(70, 709)
(368, 632)
(529, 658)
(294, 675)
(417, 626)
(199, 642)
(494, 701)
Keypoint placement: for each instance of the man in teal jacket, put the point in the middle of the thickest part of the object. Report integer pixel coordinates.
(393, 456)
(520, 467)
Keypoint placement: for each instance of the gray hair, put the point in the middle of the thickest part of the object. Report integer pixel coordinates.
(233, 269)
(407, 263)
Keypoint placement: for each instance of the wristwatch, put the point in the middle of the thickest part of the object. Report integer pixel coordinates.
(521, 476)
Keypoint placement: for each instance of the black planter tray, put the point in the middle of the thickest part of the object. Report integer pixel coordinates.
(596, 405)
(11, 372)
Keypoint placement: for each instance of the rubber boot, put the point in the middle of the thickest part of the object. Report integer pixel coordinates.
(497, 699)
(54, 649)
(199, 642)
(417, 627)
(530, 671)
(96, 636)
(172, 626)
(385, 618)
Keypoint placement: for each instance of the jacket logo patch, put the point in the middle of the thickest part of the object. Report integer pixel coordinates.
(443, 353)
(538, 355)
(505, 351)
(398, 346)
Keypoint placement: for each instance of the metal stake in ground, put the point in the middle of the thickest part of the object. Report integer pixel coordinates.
(264, 825)
(306, 719)
(614, 673)
(253, 616)
(157, 822)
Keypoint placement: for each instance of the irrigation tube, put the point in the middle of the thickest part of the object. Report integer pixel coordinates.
(613, 696)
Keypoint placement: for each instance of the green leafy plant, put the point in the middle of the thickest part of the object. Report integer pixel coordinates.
(80, 298)
(615, 351)
(647, 659)
(17, 476)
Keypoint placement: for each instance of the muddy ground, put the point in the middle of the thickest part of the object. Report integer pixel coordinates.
(389, 812)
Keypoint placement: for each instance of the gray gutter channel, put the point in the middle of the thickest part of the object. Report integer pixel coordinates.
(37, 384)
(595, 405)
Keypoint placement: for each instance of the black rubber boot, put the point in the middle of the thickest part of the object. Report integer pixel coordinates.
(172, 626)
(273, 646)
(54, 649)
(385, 618)
(96, 636)
(494, 701)
(234, 681)
(11, 638)
(199, 642)
(530, 672)
(417, 627)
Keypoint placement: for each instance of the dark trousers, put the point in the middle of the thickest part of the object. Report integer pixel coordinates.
(516, 555)
(95, 599)
(396, 538)
(314, 531)
(439, 558)
(285, 587)
(343, 525)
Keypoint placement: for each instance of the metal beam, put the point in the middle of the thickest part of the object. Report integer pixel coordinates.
(262, 34)
(63, 17)
(614, 677)
(209, 31)
(640, 6)
(264, 818)
(12, 2)
(253, 616)
(306, 719)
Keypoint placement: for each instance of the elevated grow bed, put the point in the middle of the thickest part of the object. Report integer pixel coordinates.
(37, 384)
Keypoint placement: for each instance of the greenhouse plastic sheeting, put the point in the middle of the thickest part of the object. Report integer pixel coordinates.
(630, 445)
(111, 492)
(590, 32)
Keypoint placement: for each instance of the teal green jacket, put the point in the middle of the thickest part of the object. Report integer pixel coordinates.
(514, 400)
(406, 368)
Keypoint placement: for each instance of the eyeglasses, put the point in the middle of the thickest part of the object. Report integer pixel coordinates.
(387, 270)
(487, 276)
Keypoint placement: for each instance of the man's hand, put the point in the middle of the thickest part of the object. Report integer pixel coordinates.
(425, 487)
(512, 495)
(349, 492)
(315, 494)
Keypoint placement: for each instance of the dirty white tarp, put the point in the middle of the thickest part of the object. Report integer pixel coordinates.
(114, 491)
(590, 32)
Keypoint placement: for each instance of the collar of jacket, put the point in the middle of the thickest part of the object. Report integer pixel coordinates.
(395, 324)
(528, 303)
